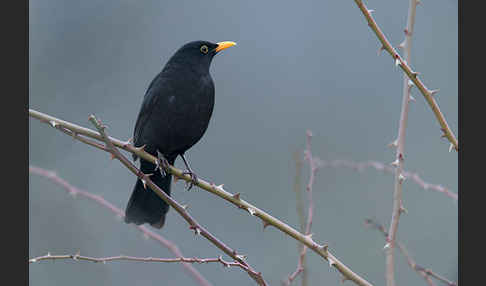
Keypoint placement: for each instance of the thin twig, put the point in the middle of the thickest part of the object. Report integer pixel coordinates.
(74, 191)
(413, 177)
(193, 224)
(400, 153)
(235, 199)
(78, 257)
(412, 75)
(314, 164)
(424, 272)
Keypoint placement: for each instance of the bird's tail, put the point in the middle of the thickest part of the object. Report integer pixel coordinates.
(145, 206)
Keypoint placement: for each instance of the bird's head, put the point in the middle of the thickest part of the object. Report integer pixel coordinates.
(199, 54)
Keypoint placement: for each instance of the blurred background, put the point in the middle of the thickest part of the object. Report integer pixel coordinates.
(298, 65)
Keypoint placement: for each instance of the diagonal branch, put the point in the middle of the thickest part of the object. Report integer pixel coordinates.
(412, 75)
(235, 199)
(51, 175)
(193, 224)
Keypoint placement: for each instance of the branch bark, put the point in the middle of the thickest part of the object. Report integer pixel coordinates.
(78, 257)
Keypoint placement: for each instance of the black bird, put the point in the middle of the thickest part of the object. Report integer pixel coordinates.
(175, 113)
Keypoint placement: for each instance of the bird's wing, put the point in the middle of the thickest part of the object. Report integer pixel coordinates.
(145, 112)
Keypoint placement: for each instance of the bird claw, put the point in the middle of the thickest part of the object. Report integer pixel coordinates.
(161, 164)
(192, 182)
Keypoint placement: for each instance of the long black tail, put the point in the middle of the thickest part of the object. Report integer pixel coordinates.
(145, 206)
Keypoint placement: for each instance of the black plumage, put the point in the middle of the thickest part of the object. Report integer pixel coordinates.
(174, 115)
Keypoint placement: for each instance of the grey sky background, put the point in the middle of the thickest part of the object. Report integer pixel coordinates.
(298, 65)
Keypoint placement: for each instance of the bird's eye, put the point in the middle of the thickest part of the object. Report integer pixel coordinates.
(204, 49)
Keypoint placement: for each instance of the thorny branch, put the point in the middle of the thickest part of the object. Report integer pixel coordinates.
(78, 257)
(321, 250)
(412, 75)
(424, 272)
(400, 153)
(193, 224)
(72, 190)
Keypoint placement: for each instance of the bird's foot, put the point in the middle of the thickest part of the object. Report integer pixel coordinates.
(192, 182)
(161, 164)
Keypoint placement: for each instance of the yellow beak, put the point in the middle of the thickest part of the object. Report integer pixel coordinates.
(224, 45)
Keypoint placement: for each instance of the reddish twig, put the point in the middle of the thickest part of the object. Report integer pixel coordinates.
(314, 164)
(193, 224)
(424, 272)
(74, 191)
(414, 177)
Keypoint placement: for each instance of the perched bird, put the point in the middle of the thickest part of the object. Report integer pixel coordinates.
(174, 115)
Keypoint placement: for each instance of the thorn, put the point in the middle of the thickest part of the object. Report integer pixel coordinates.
(401, 178)
(393, 144)
(415, 74)
(387, 246)
(410, 83)
(251, 211)
(402, 45)
(220, 186)
(33, 260)
(53, 123)
(397, 61)
(400, 157)
(381, 49)
(185, 207)
(411, 98)
(265, 224)
(433, 92)
(403, 210)
(407, 33)
(141, 148)
(196, 229)
(451, 147)
(48, 254)
(309, 236)
(331, 262)
(324, 247)
(241, 256)
(237, 196)
(395, 163)
(344, 279)
(144, 184)
(371, 11)
(75, 256)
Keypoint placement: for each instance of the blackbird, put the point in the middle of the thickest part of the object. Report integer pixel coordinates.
(174, 115)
